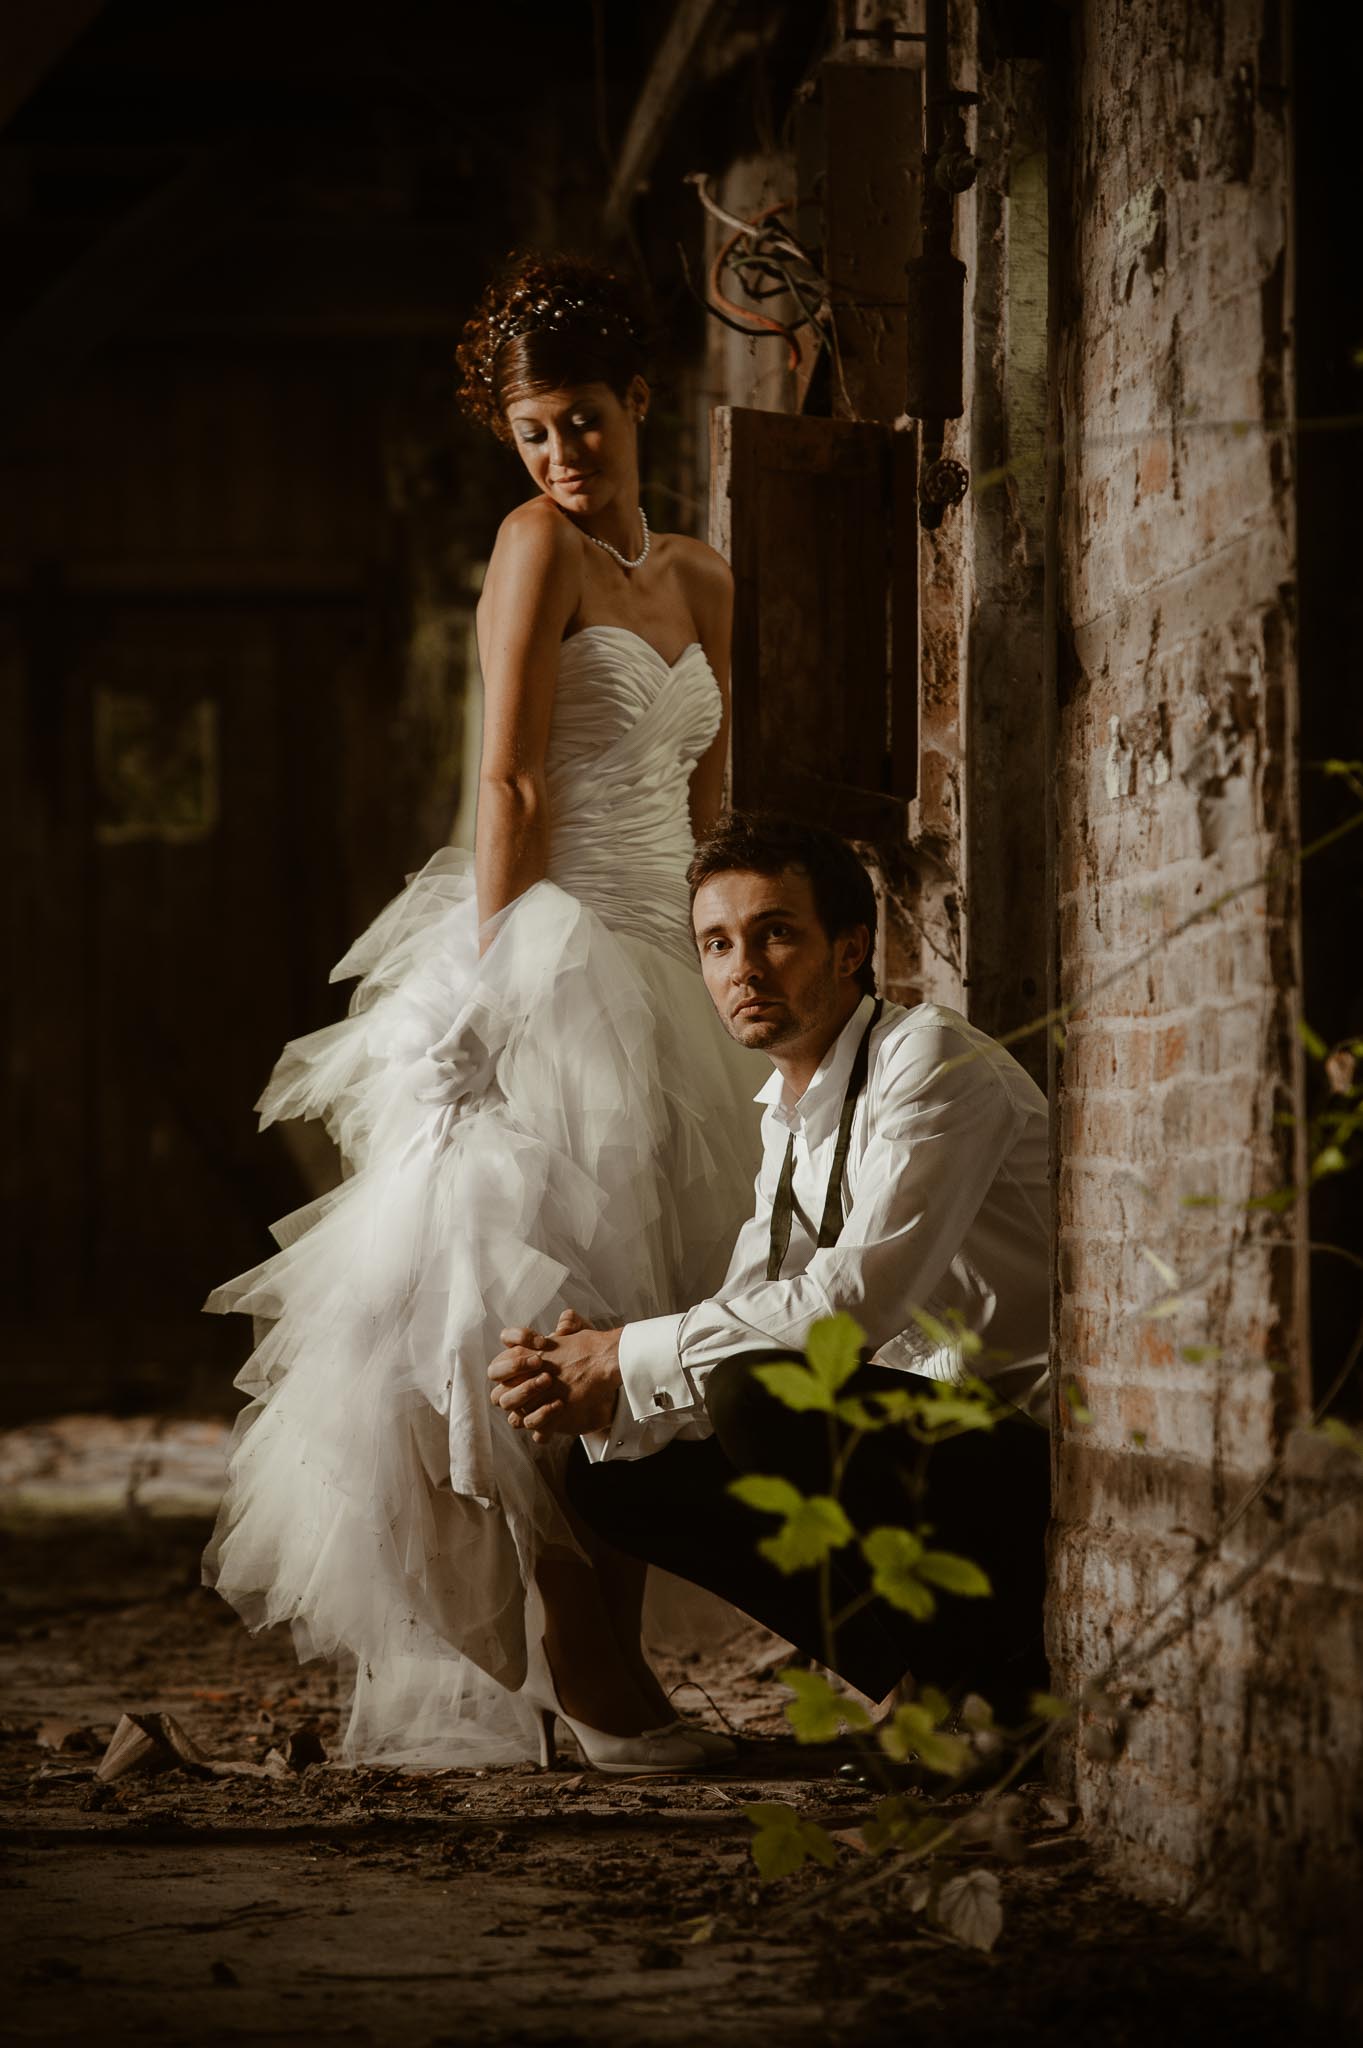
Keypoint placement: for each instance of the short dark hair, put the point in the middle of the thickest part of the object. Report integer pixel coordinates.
(765, 843)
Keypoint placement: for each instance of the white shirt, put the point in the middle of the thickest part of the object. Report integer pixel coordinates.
(946, 1200)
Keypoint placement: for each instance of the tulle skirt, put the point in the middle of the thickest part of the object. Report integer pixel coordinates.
(561, 1123)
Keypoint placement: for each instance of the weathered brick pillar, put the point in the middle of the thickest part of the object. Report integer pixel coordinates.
(1179, 1309)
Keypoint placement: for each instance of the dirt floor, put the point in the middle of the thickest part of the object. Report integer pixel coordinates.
(320, 1904)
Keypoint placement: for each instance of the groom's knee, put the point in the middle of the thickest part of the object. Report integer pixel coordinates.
(740, 1408)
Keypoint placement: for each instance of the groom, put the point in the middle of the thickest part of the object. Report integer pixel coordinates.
(904, 1170)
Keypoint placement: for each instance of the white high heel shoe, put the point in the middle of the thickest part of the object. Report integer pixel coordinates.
(715, 1747)
(656, 1749)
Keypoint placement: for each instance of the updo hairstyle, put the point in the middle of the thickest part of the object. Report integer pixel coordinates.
(547, 323)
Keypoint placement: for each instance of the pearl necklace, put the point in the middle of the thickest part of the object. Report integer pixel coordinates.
(624, 560)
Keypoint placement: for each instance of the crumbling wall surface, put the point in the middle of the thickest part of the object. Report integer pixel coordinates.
(1179, 1309)
(931, 940)
(1006, 737)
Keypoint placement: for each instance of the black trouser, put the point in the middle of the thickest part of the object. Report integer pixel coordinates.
(985, 1495)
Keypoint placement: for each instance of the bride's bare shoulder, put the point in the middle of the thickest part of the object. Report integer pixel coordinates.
(536, 563)
(704, 575)
(696, 558)
(533, 532)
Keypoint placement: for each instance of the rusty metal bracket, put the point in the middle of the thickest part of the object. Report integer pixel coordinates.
(942, 484)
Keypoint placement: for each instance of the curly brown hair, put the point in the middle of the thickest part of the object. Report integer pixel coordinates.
(548, 321)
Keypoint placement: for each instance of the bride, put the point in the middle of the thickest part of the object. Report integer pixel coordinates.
(534, 1102)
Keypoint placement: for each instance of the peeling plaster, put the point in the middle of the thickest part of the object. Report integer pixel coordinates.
(1118, 763)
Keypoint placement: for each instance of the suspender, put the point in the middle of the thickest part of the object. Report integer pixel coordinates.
(783, 1208)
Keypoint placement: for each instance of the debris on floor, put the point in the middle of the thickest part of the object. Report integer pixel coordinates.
(187, 1863)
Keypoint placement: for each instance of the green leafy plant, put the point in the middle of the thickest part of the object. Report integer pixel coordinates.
(783, 1843)
(906, 1571)
(910, 1840)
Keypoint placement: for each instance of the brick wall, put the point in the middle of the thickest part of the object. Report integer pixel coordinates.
(1237, 1790)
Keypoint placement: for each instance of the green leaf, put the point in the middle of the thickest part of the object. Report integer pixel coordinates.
(962, 1414)
(771, 1495)
(935, 1703)
(894, 1555)
(954, 1574)
(1329, 1160)
(811, 1531)
(888, 1824)
(783, 1842)
(976, 1713)
(948, 1755)
(771, 1813)
(898, 1404)
(1277, 1203)
(819, 1843)
(818, 1712)
(1312, 1040)
(1200, 1354)
(898, 1823)
(1045, 1706)
(853, 1411)
(813, 1525)
(912, 1732)
(778, 1852)
(900, 1735)
(795, 1386)
(1344, 767)
(833, 1348)
(941, 1404)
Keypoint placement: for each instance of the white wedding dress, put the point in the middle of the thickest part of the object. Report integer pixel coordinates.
(561, 1123)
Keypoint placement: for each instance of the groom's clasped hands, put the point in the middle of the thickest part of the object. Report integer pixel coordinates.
(559, 1385)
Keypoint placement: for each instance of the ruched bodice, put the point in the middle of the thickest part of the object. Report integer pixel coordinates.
(627, 730)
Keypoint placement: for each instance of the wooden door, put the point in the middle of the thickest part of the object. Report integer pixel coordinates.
(818, 519)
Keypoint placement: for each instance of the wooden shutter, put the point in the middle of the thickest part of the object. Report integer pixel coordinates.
(819, 521)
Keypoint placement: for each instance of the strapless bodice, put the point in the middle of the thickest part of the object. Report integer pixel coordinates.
(627, 730)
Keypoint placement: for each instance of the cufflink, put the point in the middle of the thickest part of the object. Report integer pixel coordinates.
(661, 1398)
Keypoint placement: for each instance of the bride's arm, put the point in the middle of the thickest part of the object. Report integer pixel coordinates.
(710, 592)
(531, 592)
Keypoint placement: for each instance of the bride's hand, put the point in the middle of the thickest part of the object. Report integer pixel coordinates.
(461, 1066)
